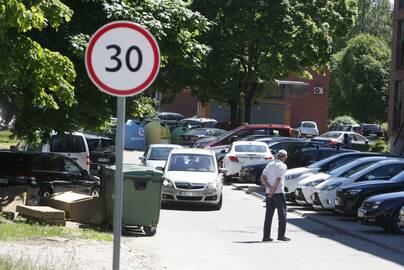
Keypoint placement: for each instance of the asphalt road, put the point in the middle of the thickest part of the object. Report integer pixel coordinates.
(198, 238)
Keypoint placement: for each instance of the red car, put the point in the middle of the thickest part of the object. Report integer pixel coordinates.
(238, 133)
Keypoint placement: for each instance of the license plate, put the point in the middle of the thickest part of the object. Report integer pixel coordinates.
(3, 181)
(190, 193)
(103, 160)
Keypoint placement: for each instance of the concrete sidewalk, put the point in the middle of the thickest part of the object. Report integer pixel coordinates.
(346, 225)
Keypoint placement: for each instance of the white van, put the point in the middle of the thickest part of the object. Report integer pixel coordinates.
(72, 145)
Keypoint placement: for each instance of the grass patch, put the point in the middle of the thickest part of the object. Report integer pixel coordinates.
(5, 141)
(25, 231)
(9, 263)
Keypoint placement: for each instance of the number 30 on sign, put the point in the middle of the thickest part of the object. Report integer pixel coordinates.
(122, 58)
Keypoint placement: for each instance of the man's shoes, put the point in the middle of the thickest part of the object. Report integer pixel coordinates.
(284, 239)
(267, 240)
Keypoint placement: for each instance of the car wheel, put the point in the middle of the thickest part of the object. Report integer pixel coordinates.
(218, 206)
(150, 230)
(95, 192)
(45, 192)
(395, 223)
(258, 179)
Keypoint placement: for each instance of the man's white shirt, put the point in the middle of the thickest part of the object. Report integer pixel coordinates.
(273, 170)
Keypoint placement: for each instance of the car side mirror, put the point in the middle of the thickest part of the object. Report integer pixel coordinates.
(13, 148)
(142, 159)
(222, 170)
(274, 152)
(85, 173)
(223, 151)
(160, 169)
(234, 138)
(366, 142)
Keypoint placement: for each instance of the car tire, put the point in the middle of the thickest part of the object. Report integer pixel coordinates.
(218, 206)
(395, 223)
(150, 230)
(258, 179)
(95, 192)
(45, 192)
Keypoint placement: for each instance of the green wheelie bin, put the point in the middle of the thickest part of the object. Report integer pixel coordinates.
(141, 196)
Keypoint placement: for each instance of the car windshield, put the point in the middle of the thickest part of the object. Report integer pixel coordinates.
(250, 148)
(331, 134)
(191, 162)
(308, 125)
(159, 153)
(197, 131)
(371, 127)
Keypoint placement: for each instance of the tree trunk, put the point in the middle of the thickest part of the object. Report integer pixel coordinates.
(233, 114)
(248, 101)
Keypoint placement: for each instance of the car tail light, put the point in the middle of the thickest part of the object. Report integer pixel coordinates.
(269, 158)
(233, 158)
(88, 160)
(333, 141)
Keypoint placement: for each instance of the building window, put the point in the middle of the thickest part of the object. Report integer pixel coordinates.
(400, 45)
(401, 4)
(397, 104)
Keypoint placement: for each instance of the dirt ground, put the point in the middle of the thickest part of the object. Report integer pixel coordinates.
(63, 254)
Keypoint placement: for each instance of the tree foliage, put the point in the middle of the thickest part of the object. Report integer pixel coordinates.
(255, 42)
(341, 120)
(175, 27)
(33, 79)
(360, 79)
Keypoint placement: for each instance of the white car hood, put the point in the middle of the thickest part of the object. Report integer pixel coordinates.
(314, 177)
(299, 170)
(155, 163)
(191, 177)
(334, 180)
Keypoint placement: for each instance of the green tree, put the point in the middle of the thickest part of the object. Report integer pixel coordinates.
(33, 79)
(176, 29)
(360, 79)
(255, 42)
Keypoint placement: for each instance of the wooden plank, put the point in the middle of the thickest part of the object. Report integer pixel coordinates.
(41, 212)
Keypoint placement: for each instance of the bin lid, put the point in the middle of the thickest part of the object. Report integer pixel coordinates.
(137, 170)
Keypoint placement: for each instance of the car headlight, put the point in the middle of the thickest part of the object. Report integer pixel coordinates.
(292, 176)
(313, 183)
(212, 185)
(353, 192)
(168, 183)
(375, 205)
(332, 186)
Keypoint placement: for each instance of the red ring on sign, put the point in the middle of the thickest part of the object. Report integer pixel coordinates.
(149, 79)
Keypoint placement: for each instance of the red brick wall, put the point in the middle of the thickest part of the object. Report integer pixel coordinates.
(312, 107)
(185, 104)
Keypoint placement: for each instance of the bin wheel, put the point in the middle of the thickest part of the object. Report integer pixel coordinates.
(150, 230)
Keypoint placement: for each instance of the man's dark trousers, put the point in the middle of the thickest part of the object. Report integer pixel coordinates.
(277, 201)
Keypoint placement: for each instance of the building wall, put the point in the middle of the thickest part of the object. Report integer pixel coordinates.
(185, 104)
(312, 107)
(396, 98)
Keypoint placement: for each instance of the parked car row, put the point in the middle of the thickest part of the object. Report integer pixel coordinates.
(368, 186)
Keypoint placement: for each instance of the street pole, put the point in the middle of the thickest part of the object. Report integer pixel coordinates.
(120, 134)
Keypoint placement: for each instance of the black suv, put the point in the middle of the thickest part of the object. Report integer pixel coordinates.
(45, 173)
(102, 152)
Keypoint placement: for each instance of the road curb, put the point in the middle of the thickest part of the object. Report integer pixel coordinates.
(328, 224)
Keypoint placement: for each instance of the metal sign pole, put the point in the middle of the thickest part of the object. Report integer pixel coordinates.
(120, 134)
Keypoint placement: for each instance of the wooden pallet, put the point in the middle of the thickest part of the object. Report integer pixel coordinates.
(43, 214)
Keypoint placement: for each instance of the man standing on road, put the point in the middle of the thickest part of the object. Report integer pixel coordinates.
(273, 178)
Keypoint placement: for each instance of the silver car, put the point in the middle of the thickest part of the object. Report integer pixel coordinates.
(308, 129)
(192, 176)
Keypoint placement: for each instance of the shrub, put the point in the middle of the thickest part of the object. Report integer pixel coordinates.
(342, 120)
(385, 129)
(379, 146)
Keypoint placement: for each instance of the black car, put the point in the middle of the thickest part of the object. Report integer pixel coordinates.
(171, 119)
(45, 173)
(383, 210)
(300, 154)
(349, 198)
(102, 152)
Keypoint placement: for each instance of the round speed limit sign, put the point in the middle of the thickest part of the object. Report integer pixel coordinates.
(122, 58)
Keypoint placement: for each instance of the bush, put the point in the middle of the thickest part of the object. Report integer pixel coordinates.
(385, 129)
(341, 120)
(379, 146)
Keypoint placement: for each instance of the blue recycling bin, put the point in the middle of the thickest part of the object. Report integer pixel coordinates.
(134, 135)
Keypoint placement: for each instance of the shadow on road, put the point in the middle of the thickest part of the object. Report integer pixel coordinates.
(187, 207)
(353, 242)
